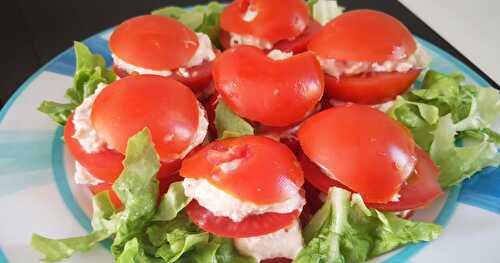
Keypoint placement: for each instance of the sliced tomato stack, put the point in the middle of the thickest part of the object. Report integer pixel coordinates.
(287, 28)
(158, 43)
(168, 108)
(271, 92)
(361, 149)
(366, 36)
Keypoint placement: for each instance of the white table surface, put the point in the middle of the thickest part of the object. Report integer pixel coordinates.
(473, 27)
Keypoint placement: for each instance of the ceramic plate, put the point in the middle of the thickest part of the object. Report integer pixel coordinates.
(37, 193)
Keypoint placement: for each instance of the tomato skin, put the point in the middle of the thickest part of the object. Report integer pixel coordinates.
(250, 226)
(168, 108)
(267, 172)
(210, 105)
(370, 88)
(362, 148)
(296, 45)
(274, 93)
(272, 23)
(421, 188)
(299, 44)
(105, 165)
(316, 177)
(153, 42)
(364, 35)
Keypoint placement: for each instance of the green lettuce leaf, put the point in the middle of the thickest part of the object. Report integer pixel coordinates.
(229, 124)
(172, 203)
(217, 250)
(54, 250)
(133, 252)
(200, 18)
(443, 111)
(90, 71)
(137, 188)
(345, 230)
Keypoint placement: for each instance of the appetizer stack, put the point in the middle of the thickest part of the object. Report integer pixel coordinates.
(279, 135)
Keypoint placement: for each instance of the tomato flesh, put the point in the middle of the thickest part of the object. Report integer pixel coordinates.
(370, 88)
(250, 226)
(261, 171)
(153, 42)
(364, 35)
(361, 148)
(95, 189)
(273, 22)
(274, 93)
(168, 108)
(421, 188)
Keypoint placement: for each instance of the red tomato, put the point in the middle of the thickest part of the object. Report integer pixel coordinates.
(316, 177)
(250, 226)
(362, 148)
(273, 22)
(421, 188)
(299, 44)
(261, 171)
(105, 165)
(364, 35)
(153, 42)
(370, 88)
(274, 93)
(210, 105)
(168, 108)
(95, 189)
(296, 45)
(199, 76)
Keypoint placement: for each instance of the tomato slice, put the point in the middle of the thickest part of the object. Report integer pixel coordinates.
(250, 168)
(296, 45)
(421, 188)
(210, 105)
(362, 148)
(250, 226)
(274, 93)
(168, 108)
(299, 44)
(316, 177)
(153, 42)
(364, 35)
(105, 165)
(273, 21)
(370, 88)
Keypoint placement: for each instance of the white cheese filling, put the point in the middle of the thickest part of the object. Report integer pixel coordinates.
(277, 54)
(83, 176)
(201, 132)
(221, 203)
(84, 130)
(203, 52)
(286, 243)
(337, 68)
(237, 39)
(250, 14)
